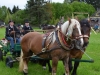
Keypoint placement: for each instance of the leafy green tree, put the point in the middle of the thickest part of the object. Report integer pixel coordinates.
(19, 16)
(61, 9)
(66, 9)
(82, 7)
(3, 12)
(95, 3)
(38, 11)
(8, 16)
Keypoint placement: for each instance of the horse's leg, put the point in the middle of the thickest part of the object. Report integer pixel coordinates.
(70, 65)
(23, 66)
(50, 69)
(44, 61)
(26, 60)
(65, 62)
(54, 65)
(76, 64)
(25, 69)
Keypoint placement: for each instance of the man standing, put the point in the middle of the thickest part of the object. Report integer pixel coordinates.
(27, 28)
(11, 32)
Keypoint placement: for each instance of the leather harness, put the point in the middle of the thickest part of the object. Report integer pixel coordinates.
(59, 46)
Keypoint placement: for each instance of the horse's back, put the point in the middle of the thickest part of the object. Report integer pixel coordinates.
(31, 35)
(32, 40)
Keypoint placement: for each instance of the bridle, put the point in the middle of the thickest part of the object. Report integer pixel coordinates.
(81, 36)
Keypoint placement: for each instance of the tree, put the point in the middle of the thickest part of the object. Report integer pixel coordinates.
(17, 8)
(95, 3)
(82, 7)
(19, 16)
(37, 11)
(66, 9)
(67, 1)
(8, 16)
(14, 9)
(3, 12)
(9, 10)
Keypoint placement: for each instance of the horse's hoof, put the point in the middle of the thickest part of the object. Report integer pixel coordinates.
(44, 67)
(25, 73)
(73, 74)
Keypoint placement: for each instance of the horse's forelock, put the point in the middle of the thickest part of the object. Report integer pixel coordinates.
(85, 22)
(79, 30)
(74, 23)
(70, 24)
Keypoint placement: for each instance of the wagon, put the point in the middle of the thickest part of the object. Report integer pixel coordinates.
(14, 56)
(10, 57)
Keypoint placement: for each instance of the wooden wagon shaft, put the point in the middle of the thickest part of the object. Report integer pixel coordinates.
(80, 60)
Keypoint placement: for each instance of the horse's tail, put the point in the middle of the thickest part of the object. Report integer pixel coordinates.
(21, 63)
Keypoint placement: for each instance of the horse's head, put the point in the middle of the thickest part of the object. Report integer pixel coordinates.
(72, 30)
(85, 29)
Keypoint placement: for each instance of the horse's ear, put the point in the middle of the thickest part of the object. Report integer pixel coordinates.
(69, 21)
(76, 18)
(89, 20)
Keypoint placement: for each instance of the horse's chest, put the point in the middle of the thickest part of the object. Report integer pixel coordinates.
(61, 54)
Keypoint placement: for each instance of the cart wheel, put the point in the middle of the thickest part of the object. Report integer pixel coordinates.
(9, 62)
(1, 55)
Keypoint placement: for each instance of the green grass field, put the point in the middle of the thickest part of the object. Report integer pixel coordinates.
(93, 50)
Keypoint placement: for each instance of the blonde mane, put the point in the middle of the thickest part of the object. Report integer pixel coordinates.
(70, 26)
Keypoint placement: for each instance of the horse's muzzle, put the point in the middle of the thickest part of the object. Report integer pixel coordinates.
(77, 44)
(85, 44)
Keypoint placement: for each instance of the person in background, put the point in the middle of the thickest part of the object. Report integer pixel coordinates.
(27, 28)
(96, 27)
(11, 31)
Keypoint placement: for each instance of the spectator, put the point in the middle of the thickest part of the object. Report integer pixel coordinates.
(27, 28)
(11, 32)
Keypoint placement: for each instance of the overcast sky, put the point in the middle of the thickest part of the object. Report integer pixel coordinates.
(20, 3)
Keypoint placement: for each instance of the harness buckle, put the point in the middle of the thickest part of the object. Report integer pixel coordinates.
(43, 49)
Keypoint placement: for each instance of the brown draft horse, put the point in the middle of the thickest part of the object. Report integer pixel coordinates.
(32, 43)
(76, 53)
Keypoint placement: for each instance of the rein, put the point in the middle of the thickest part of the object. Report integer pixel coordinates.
(81, 36)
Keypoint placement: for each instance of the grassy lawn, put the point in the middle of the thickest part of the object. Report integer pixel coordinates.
(93, 50)
(2, 33)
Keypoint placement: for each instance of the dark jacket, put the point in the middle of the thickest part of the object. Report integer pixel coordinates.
(27, 29)
(9, 29)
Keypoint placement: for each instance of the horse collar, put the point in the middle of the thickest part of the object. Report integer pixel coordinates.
(61, 40)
